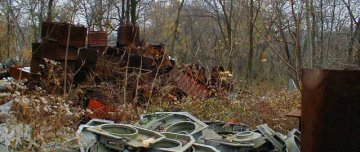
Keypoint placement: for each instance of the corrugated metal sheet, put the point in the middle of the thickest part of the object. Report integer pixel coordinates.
(191, 87)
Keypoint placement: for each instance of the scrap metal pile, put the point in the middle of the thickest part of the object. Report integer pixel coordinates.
(194, 81)
(88, 50)
(130, 72)
(182, 132)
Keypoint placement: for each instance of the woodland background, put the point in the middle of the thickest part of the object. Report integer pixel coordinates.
(257, 40)
(264, 43)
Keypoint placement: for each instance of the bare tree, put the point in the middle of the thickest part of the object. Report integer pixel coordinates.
(176, 26)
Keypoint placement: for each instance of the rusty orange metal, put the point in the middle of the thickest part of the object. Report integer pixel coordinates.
(19, 74)
(100, 110)
(330, 110)
(191, 87)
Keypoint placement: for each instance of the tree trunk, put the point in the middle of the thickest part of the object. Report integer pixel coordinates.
(8, 34)
(322, 63)
(309, 48)
(251, 41)
(298, 61)
(99, 14)
(41, 15)
(313, 32)
(49, 12)
(122, 12)
(176, 27)
(134, 4)
(127, 12)
(357, 38)
(330, 34)
(230, 35)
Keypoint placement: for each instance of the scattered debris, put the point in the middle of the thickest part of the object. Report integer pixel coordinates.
(132, 64)
(180, 131)
(5, 66)
(115, 83)
(53, 121)
(194, 82)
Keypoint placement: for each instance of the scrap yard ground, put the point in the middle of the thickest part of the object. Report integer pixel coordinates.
(179, 75)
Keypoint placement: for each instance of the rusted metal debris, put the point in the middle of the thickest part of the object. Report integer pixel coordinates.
(131, 62)
(295, 114)
(19, 73)
(128, 35)
(330, 110)
(9, 68)
(192, 87)
(54, 51)
(58, 33)
(182, 132)
(4, 68)
(194, 82)
(54, 44)
(100, 110)
(97, 38)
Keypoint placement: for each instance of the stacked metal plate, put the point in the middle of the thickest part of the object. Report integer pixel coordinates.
(97, 38)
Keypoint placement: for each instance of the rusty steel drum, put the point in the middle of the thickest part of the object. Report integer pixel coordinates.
(128, 34)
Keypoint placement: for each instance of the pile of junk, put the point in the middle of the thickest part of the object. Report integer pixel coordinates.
(130, 72)
(182, 132)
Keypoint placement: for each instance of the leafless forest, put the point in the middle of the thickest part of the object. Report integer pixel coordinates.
(256, 40)
(229, 62)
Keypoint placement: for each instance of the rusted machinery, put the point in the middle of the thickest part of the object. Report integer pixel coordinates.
(130, 63)
(56, 39)
(182, 132)
(129, 68)
(330, 110)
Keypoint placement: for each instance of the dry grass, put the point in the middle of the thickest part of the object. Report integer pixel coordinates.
(254, 106)
(51, 118)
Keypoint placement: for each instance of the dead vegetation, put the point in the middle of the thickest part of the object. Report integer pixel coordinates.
(260, 104)
(53, 119)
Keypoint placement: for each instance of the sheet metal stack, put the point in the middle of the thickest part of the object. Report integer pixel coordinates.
(56, 38)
